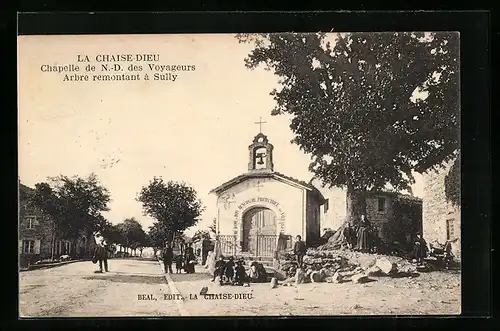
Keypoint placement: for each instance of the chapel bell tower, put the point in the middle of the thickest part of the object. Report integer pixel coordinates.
(261, 154)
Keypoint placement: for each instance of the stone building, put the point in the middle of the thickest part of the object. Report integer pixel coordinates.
(441, 220)
(36, 234)
(398, 217)
(260, 211)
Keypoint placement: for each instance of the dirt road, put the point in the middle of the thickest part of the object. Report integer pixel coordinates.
(74, 290)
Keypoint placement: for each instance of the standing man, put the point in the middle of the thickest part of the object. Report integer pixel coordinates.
(299, 250)
(101, 254)
(168, 256)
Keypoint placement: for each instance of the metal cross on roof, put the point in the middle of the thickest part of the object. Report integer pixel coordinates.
(260, 122)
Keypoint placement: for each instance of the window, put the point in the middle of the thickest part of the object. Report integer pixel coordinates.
(381, 204)
(450, 229)
(326, 206)
(30, 221)
(28, 246)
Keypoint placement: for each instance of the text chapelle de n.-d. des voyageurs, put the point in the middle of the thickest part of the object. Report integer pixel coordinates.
(118, 67)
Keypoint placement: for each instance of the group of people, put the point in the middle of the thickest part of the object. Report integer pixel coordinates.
(363, 237)
(229, 271)
(184, 261)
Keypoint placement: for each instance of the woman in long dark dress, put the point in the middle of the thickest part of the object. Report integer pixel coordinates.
(419, 248)
(189, 259)
(363, 235)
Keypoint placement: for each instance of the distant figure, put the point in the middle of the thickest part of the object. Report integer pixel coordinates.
(220, 266)
(189, 259)
(419, 248)
(168, 256)
(299, 250)
(101, 255)
(363, 235)
(229, 270)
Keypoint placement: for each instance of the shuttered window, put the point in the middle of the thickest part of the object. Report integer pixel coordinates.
(30, 221)
(326, 206)
(28, 246)
(381, 204)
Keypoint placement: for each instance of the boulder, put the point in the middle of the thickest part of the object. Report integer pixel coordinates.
(279, 275)
(299, 276)
(274, 283)
(337, 278)
(386, 266)
(326, 273)
(360, 278)
(374, 271)
(316, 277)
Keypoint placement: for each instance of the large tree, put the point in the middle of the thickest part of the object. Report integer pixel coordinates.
(132, 233)
(156, 236)
(174, 205)
(74, 205)
(369, 108)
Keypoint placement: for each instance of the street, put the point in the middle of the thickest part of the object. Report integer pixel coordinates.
(74, 290)
(138, 288)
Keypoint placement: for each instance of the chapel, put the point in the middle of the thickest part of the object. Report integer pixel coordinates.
(261, 211)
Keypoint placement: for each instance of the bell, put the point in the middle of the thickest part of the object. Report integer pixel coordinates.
(260, 161)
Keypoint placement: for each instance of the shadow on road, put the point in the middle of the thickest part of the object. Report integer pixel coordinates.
(190, 277)
(124, 278)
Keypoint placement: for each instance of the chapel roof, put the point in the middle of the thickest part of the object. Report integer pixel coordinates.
(266, 174)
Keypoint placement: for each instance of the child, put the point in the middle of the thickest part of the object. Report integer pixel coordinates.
(220, 266)
(229, 270)
(178, 264)
(240, 276)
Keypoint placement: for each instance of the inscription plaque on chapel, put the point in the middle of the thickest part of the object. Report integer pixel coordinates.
(257, 200)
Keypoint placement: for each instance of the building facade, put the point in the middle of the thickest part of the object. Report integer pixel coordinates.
(441, 220)
(262, 211)
(37, 239)
(397, 217)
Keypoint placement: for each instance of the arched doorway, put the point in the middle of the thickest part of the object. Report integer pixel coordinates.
(259, 231)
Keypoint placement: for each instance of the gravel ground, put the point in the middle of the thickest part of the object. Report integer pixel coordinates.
(433, 293)
(74, 290)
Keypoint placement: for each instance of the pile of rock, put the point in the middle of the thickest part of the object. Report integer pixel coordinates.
(334, 266)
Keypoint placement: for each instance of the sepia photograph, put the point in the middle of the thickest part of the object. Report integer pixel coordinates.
(250, 174)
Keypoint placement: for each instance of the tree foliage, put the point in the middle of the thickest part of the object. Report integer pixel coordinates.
(174, 206)
(370, 108)
(213, 227)
(74, 204)
(132, 233)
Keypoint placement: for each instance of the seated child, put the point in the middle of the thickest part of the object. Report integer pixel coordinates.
(229, 270)
(240, 275)
(220, 266)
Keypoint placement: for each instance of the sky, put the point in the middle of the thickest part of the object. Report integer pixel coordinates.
(195, 129)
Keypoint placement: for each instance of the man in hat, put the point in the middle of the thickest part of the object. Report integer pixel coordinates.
(299, 250)
(168, 255)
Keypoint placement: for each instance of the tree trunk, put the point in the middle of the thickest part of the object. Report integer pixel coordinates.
(53, 245)
(356, 204)
(355, 207)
